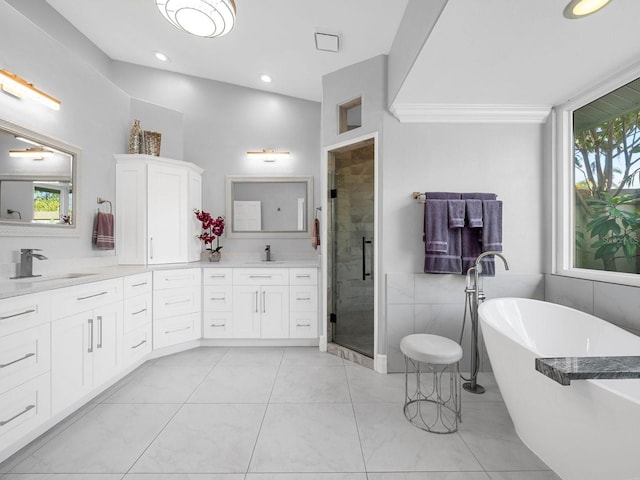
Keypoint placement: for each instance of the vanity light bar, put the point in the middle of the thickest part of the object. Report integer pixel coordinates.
(37, 153)
(268, 155)
(19, 87)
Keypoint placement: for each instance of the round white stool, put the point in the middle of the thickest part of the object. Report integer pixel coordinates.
(434, 408)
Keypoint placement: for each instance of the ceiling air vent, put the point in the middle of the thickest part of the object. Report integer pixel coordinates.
(327, 42)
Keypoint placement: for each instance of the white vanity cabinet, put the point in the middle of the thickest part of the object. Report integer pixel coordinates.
(261, 303)
(86, 346)
(155, 199)
(303, 298)
(25, 390)
(176, 306)
(137, 321)
(217, 302)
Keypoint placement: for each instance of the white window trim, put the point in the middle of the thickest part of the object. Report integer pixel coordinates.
(562, 181)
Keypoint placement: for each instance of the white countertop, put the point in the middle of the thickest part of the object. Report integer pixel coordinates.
(24, 286)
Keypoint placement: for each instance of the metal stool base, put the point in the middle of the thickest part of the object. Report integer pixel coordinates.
(436, 411)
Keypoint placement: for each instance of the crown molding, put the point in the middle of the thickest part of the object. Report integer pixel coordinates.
(460, 113)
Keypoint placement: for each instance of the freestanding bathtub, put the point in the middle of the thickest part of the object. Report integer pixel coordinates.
(589, 430)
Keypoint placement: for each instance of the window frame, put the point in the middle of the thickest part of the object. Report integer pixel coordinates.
(563, 207)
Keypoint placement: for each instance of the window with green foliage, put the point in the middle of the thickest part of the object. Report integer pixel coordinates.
(606, 177)
(46, 205)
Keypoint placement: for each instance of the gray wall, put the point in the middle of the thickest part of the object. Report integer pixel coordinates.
(164, 120)
(94, 115)
(221, 123)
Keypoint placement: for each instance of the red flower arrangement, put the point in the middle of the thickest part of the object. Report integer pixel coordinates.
(212, 229)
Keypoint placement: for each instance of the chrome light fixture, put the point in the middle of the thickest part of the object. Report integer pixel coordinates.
(19, 87)
(582, 8)
(268, 155)
(203, 18)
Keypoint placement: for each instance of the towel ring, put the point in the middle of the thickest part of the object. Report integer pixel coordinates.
(100, 201)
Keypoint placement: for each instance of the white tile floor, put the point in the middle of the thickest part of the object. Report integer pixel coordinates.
(270, 414)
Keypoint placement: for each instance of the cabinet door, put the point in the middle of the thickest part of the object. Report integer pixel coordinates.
(167, 214)
(131, 213)
(246, 314)
(107, 350)
(274, 311)
(71, 360)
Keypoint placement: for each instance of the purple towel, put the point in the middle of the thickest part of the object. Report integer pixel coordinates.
(474, 212)
(436, 226)
(492, 229)
(478, 196)
(456, 213)
(103, 238)
(441, 195)
(449, 261)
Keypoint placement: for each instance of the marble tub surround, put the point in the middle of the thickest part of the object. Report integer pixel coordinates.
(565, 369)
(344, 422)
(429, 303)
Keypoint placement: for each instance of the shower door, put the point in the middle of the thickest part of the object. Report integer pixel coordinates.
(351, 254)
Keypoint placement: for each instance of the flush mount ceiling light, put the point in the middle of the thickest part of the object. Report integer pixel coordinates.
(203, 18)
(268, 155)
(19, 87)
(582, 8)
(35, 153)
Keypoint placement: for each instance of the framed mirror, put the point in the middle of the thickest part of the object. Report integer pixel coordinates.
(269, 207)
(38, 183)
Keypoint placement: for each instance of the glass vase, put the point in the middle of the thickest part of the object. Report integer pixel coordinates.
(215, 256)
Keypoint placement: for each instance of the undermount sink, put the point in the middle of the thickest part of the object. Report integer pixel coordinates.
(264, 262)
(51, 278)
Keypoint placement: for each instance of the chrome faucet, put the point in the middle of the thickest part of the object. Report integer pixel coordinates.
(267, 253)
(26, 262)
(478, 296)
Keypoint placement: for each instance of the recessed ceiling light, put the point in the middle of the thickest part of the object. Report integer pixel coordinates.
(265, 78)
(162, 57)
(582, 8)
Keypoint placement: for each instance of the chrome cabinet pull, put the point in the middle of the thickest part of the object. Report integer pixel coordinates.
(303, 324)
(90, 322)
(217, 324)
(139, 284)
(172, 279)
(91, 296)
(99, 332)
(218, 275)
(27, 408)
(260, 276)
(4, 365)
(151, 248)
(256, 301)
(26, 312)
(138, 345)
(177, 330)
(303, 276)
(178, 302)
(264, 303)
(218, 299)
(139, 311)
(303, 299)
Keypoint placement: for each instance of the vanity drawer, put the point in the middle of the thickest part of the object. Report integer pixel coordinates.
(217, 298)
(170, 279)
(80, 298)
(169, 331)
(303, 325)
(138, 284)
(22, 312)
(261, 276)
(24, 355)
(136, 344)
(177, 301)
(217, 276)
(137, 311)
(303, 298)
(217, 325)
(24, 408)
(303, 276)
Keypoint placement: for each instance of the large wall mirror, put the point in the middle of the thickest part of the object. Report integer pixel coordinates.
(268, 207)
(38, 183)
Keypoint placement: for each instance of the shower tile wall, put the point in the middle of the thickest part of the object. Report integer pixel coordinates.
(425, 303)
(354, 175)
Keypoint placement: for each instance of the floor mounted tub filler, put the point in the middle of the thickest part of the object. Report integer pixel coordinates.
(588, 430)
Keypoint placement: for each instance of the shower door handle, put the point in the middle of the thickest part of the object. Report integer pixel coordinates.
(364, 256)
